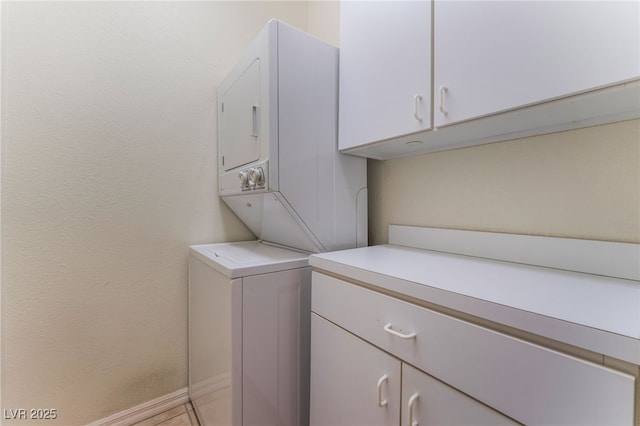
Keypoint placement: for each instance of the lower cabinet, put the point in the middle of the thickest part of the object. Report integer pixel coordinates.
(380, 360)
(355, 383)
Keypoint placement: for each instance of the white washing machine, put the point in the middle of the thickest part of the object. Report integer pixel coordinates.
(249, 314)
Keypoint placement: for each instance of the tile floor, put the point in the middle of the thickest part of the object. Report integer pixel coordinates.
(179, 416)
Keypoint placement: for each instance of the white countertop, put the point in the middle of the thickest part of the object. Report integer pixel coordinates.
(594, 312)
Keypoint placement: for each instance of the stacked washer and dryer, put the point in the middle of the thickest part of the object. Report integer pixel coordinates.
(280, 171)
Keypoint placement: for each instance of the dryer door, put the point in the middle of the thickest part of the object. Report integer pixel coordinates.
(239, 119)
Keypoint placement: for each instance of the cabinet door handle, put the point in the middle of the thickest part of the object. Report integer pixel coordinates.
(412, 401)
(389, 330)
(416, 107)
(254, 120)
(381, 380)
(443, 90)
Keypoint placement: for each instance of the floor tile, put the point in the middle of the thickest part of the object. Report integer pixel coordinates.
(181, 420)
(193, 417)
(166, 415)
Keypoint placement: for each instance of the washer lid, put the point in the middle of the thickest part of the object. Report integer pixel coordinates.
(246, 258)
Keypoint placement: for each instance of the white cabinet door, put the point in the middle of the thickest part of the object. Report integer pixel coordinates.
(494, 56)
(427, 401)
(352, 382)
(385, 70)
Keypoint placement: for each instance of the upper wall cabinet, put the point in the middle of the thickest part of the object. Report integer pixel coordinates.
(501, 70)
(493, 56)
(385, 70)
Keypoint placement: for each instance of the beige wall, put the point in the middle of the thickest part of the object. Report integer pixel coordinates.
(108, 174)
(582, 184)
(324, 20)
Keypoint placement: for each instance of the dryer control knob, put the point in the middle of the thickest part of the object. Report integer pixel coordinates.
(257, 176)
(244, 178)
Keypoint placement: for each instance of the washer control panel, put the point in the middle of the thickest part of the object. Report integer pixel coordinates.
(252, 178)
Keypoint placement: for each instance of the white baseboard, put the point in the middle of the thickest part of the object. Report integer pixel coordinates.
(145, 410)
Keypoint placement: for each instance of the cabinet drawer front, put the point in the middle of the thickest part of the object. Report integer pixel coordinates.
(527, 382)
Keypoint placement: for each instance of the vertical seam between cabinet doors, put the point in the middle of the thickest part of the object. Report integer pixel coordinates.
(402, 363)
(276, 94)
(433, 68)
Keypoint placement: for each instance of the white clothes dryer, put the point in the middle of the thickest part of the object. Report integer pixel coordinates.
(279, 168)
